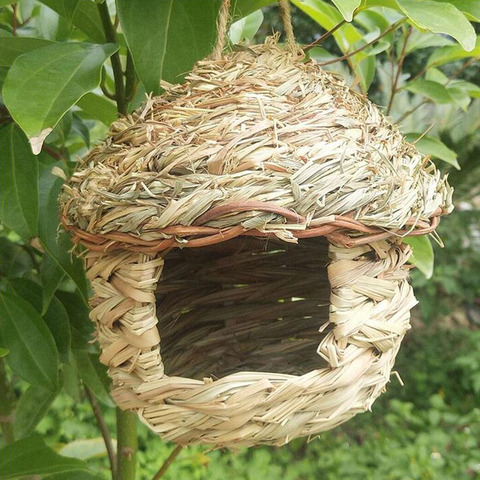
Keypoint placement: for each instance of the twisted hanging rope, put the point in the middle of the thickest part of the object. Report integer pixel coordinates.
(222, 29)
(284, 7)
(223, 24)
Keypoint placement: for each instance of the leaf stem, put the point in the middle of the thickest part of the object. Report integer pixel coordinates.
(409, 112)
(166, 464)
(401, 59)
(320, 40)
(127, 445)
(363, 47)
(7, 401)
(111, 37)
(107, 438)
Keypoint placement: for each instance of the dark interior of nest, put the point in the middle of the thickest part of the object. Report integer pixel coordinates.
(243, 305)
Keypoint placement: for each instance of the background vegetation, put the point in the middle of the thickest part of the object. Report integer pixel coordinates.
(67, 68)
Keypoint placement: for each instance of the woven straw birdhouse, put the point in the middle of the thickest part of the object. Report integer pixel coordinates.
(244, 236)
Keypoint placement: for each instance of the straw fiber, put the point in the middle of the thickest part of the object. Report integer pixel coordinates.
(244, 244)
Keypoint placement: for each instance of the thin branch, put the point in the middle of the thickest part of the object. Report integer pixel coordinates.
(401, 59)
(465, 65)
(107, 438)
(409, 112)
(320, 40)
(111, 37)
(363, 47)
(166, 464)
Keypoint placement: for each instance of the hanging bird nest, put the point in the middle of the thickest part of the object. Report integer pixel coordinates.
(244, 234)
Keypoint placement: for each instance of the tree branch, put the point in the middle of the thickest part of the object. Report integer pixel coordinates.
(130, 78)
(173, 455)
(363, 47)
(111, 37)
(107, 438)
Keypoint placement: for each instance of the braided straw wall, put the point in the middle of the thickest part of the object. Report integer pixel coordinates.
(262, 144)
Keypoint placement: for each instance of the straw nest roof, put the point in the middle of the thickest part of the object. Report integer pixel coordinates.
(255, 141)
(263, 144)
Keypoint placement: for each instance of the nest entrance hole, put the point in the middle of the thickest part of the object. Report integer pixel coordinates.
(243, 305)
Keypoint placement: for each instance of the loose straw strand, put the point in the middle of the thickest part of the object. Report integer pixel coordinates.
(222, 29)
(284, 7)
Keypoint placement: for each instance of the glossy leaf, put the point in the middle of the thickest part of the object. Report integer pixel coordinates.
(93, 375)
(30, 456)
(82, 14)
(440, 18)
(347, 7)
(33, 355)
(81, 327)
(18, 209)
(418, 40)
(85, 448)
(166, 38)
(57, 242)
(12, 47)
(422, 254)
(98, 108)
(51, 275)
(242, 8)
(56, 318)
(44, 84)
(432, 90)
(246, 28)
(31, 408)
(451, 54)
(14, 260)
(471, 8)
(433, 146)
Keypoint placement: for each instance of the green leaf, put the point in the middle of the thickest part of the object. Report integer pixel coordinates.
(56, 318)
(451, 54)
(246, 28)
(85, 449)
(33, 355)
(432, 90)
(51, 275)
(14, 260)
(470, 88)
(418, 40)
(18, 209)
(98, 108)
(81, 326)
(346, 36)
(433, 146)
(471, 8)
(42, 85)
(31, 408)
(4, 352)
(57, 242)
(93, 375)
(422, 254)
(166, 38)
(440, 18)
(82, 14)
(30, 456)
(347, 7)
(12, 47)
(242, 8)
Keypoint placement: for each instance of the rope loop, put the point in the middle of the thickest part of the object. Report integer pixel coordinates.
(223, 21)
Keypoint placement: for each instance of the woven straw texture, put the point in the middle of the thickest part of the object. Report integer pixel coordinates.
(273, 169)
